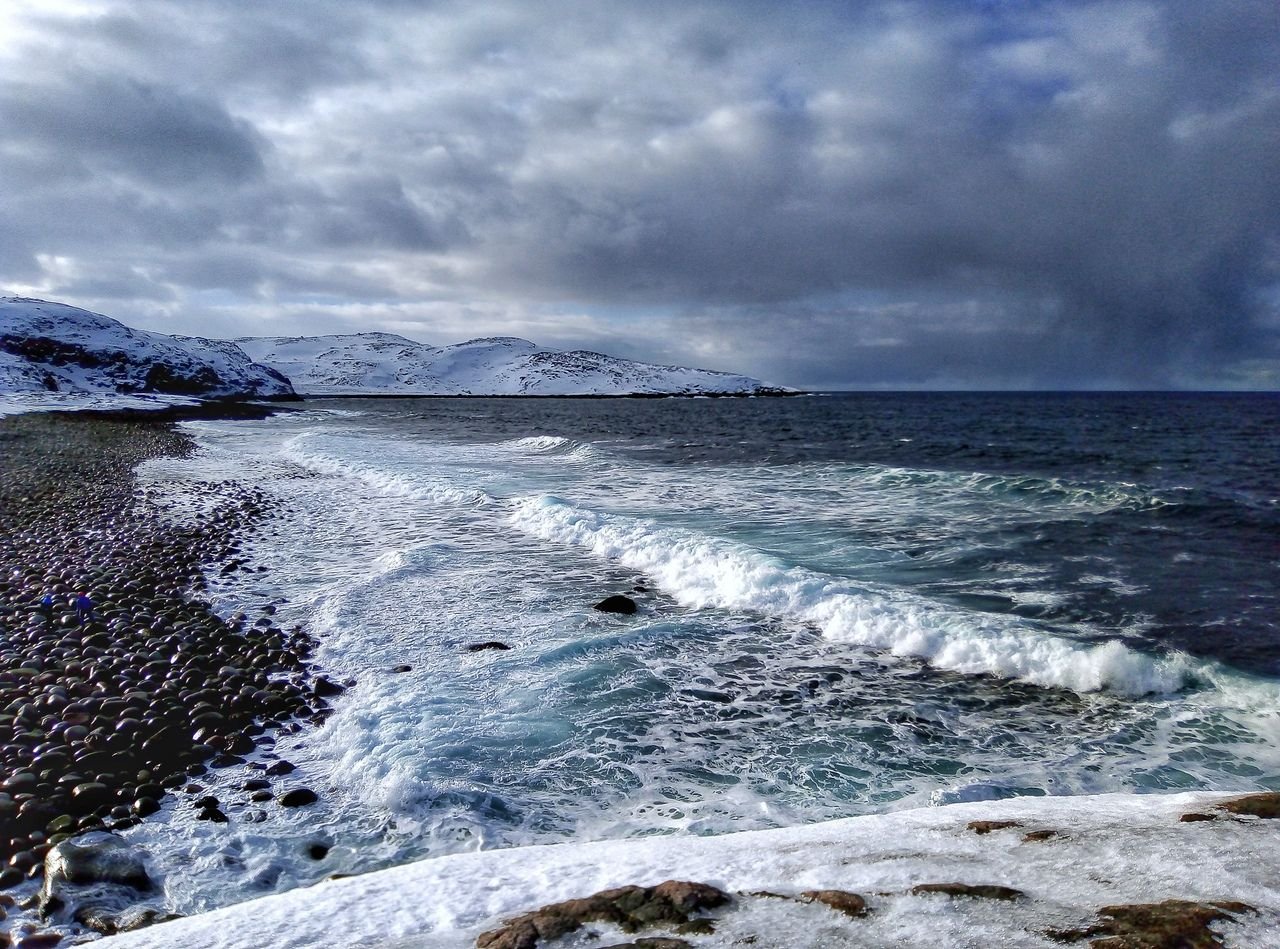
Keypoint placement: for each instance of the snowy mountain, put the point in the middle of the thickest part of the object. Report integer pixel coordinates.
(381, 363)
(55, 348)
(58, 348)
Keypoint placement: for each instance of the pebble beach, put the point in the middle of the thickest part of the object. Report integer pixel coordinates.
(119, 685)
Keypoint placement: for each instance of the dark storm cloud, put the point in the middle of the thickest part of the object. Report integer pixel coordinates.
(122, 126)
(927, 193)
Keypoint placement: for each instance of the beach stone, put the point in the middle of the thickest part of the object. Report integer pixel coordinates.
(37, 941)
(617, 604)
(1036, 836)
(492, 644)
(1195, 818)
(981, 827)
(280, 768)
(1172, 924)
(652, 942)
(298, 797)
(325, 687)
(851, 904)
(631, 908)
(96, 869)
(982, 891)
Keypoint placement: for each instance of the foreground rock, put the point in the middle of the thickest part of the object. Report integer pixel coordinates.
(631, 908)
(97, 879)
(1172, 924)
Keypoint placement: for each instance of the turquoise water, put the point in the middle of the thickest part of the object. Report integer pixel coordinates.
(844, 605)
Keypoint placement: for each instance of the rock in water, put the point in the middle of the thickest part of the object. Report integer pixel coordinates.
(97, 876)
(484, 647)
(617, 604)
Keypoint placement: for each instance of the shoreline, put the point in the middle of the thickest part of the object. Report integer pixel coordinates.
(111, 707)
(1031, 871)
(476, 901)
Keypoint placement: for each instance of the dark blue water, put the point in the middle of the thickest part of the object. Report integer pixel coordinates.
(1200, 568)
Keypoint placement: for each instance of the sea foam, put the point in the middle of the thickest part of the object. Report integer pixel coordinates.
(700, 571)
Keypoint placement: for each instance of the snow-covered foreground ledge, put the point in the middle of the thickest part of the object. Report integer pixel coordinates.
(1108, 849)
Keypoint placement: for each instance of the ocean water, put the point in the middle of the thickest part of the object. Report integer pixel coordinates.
(847, 604)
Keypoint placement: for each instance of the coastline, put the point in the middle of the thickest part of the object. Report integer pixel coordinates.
(1065, 858)
(1099, 853)
(114, 704)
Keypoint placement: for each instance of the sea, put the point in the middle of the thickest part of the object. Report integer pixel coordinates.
(846, 604)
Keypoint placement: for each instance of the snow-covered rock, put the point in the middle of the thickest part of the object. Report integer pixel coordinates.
(53, 347)
(381, 363)
(1053, 863)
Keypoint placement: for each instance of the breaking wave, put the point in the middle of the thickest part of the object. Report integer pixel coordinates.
(707, 572)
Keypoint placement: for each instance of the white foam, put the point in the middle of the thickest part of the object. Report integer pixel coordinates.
(701, 571)
(415, 488)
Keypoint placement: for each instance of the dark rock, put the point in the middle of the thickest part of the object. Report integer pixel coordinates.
(1195, 818)
(402, 668)
(631, 908)
(98, 875)
(1037, 836)
(325, 687)
(653, 942)
(101, 920)
(617, 604)
(982, 891)
(318, 851)
(492, 644)
(95, 857)
(213, 814)
(1172, 924)
(143, 806)
(37, 941)
(298, 797)
(987, 826)
(281, 767)
(851, 904)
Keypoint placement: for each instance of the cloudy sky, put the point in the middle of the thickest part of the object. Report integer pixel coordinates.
(944, 193)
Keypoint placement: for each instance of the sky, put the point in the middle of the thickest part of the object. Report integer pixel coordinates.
(870, 195)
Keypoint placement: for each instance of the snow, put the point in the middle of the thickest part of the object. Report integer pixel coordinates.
(52, 346)
(16, 403)
(384, 364)
(45, 344)
(1112, 849)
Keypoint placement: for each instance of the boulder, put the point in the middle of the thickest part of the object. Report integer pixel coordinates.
(631, 908)
(1175, 924)
(617, 604)
(97, 877)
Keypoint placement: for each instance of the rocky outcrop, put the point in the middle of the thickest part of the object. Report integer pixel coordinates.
(1172, 924)
(673, 904)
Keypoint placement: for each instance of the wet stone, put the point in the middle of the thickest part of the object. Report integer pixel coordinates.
(982, 891)
(298, 797)
(617, 604)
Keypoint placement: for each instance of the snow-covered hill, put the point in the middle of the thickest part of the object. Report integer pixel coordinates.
(52, 347)
(380, 363)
